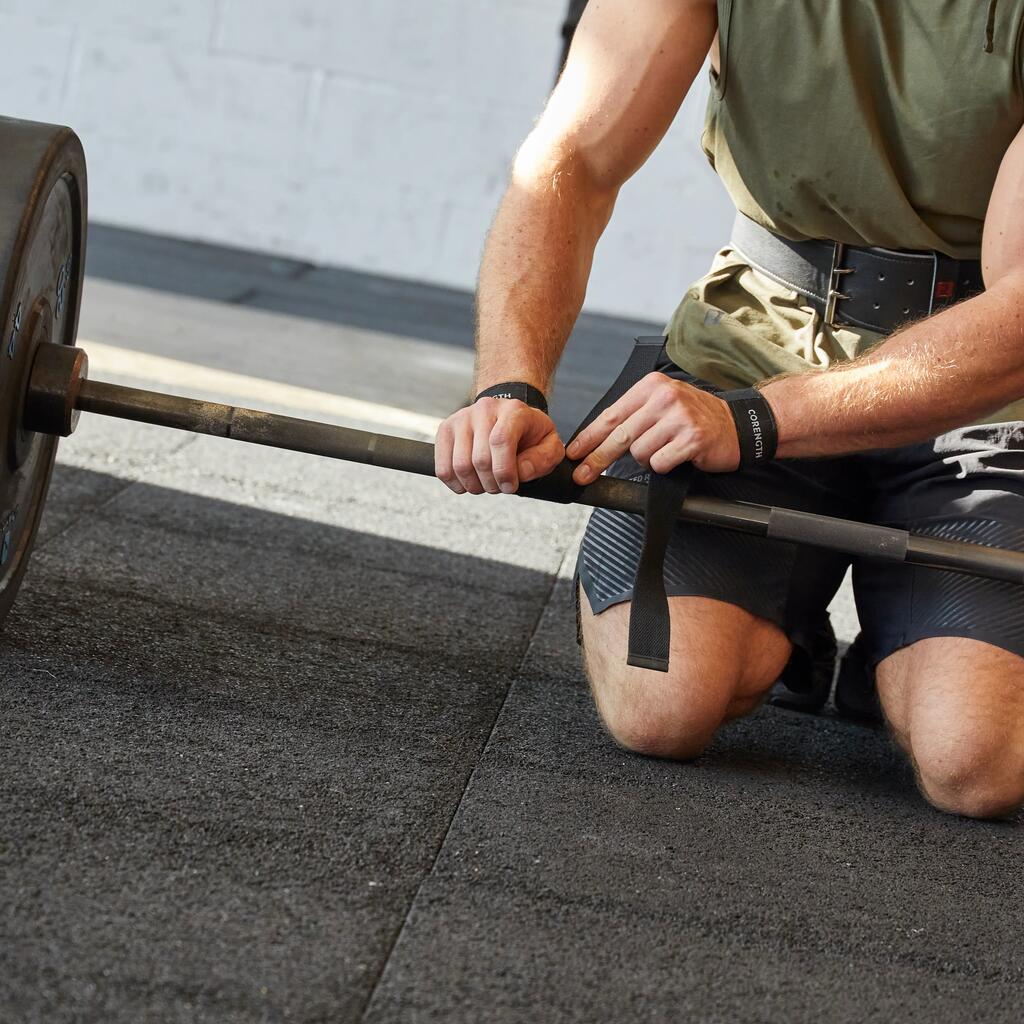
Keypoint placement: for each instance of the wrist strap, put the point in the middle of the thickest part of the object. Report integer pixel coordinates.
(516, 389)
(755, 425)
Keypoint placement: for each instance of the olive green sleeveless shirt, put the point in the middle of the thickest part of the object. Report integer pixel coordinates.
(871, 122)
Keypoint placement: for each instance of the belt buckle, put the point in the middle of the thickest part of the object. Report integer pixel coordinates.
(835, 273)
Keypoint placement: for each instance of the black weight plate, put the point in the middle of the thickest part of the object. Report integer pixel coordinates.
(42, 258)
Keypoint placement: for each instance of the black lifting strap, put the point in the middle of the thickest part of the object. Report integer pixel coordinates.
(649, 623)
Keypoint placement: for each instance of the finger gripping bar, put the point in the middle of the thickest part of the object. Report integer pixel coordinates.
(838, 534)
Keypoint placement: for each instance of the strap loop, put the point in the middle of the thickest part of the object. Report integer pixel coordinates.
(755, 425)
(649, 620)
(526, 393)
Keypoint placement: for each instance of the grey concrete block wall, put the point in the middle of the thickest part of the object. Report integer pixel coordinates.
(375, 136)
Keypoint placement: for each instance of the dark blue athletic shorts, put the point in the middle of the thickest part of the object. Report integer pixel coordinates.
(967, 484)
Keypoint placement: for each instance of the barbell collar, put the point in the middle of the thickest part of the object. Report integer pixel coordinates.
(57, 375)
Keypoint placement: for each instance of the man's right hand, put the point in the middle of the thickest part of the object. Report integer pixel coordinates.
(494, 445)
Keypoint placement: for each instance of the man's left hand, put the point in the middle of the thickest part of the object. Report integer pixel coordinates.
(662, 423)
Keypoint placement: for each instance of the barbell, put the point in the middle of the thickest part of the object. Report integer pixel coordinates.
(44, 387)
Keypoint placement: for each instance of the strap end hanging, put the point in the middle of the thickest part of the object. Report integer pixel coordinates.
(648, 662)
(650, 624)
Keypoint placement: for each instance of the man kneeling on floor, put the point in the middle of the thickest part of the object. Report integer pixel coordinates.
(872, 292)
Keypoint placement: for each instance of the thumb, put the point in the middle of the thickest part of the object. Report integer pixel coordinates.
(541, 458)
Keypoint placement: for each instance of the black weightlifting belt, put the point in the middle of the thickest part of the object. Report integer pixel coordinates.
(870, 288)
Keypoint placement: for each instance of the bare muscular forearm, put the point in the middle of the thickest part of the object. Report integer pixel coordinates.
(534, 273)
(950, 370)
(632, 63)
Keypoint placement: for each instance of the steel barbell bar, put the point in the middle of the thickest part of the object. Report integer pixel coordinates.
(59, 390)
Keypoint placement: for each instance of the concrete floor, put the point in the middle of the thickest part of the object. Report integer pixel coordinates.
(292, 740)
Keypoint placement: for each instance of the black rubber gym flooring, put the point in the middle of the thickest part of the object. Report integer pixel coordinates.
(292, 741)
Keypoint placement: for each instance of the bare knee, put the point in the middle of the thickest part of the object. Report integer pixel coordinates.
(973, 779)
(957, 707)
(657, 732)
(673, 715)
(723, 661)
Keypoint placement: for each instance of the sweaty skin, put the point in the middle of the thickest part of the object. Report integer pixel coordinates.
(630, 68)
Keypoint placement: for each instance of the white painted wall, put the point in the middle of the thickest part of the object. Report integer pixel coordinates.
(373, 134)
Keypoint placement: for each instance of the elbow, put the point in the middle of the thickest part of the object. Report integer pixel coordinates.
(1004, 278)
(1002, 260)
(560, 170)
